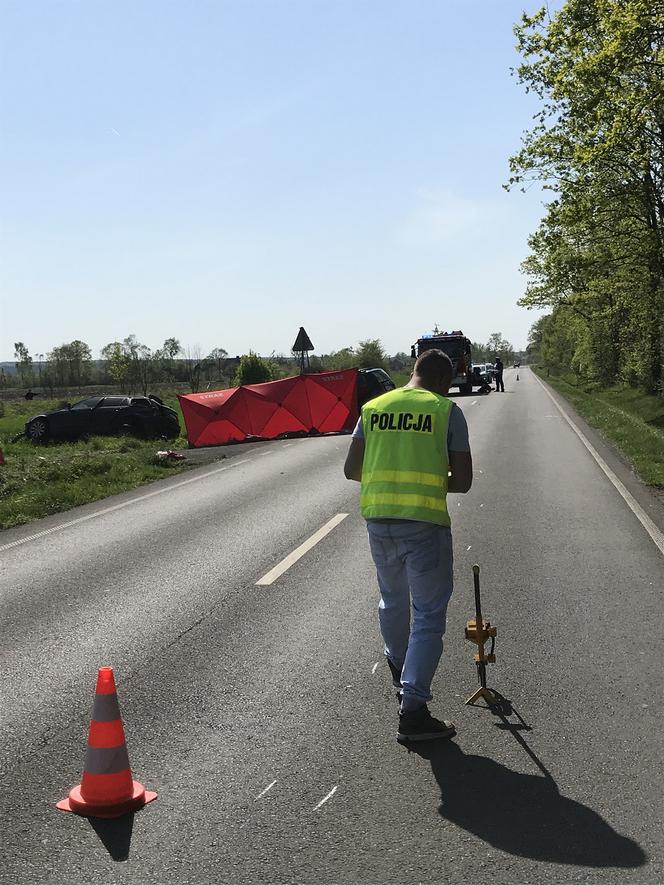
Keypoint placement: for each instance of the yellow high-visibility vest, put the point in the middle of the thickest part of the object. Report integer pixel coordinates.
(404, 470)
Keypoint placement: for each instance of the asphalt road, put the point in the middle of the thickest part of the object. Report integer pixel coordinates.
(263, 714)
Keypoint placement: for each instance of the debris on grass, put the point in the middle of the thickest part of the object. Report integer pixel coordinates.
(169, 453)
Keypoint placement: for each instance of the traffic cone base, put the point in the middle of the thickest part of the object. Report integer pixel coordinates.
(107, 788)
(76, 803)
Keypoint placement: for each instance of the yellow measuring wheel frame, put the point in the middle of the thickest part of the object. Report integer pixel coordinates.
(480, 632)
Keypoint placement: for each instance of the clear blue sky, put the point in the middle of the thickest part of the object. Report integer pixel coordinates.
(224, 172)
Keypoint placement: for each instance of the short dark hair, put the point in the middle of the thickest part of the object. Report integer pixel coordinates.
(434, 365)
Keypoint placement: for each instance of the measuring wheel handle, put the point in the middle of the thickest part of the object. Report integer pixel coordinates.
(480, 632)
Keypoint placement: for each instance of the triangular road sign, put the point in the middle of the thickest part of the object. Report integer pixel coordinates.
(302, 342)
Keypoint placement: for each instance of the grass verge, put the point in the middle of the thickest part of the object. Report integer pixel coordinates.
(400, 378)
(630, 418)
(39, 480)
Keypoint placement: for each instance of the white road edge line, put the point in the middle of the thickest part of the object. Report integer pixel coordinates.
(374, 668)
(329, 796)
(266, 790)
(627, 497)
(80, 519)
(474, 402)
(299, 552)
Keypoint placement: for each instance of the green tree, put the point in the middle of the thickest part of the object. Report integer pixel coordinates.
(400, 361)
(535, 335)
(371, 355)
(117, 363)
(479, 352)
(141, 367)
(171, 348)
(167, 355)
(598, 146)
(253, 369)
(499, 346)
(23, 363)
(340, 359)
(71, 364)
(217, 358)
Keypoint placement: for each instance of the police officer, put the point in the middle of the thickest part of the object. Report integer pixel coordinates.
(409, 449)
(498, 374)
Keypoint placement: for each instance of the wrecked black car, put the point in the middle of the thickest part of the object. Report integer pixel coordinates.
(144, 416)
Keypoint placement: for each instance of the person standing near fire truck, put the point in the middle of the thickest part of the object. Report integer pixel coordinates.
(498, 375)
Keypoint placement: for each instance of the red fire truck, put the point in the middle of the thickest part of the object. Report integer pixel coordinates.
(457, 347)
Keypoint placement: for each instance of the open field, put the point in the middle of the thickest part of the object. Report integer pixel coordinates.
(630, 418)
(38, 480)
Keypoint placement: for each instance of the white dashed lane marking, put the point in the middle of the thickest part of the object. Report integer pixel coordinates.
(326, 798)
(300, 551)
(266, 790)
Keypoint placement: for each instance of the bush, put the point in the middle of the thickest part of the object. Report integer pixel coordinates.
(253, 369)
(371, 355)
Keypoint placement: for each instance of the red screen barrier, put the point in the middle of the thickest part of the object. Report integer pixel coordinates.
(322, 402)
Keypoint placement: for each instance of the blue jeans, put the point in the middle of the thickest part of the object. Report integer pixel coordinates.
(415, 577)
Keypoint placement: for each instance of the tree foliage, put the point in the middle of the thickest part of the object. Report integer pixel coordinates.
(597, 259)
(117, 363)
(337, 360)
(400, 361)
(368, 354)
(253, 369)
(167, 355)
(497, 345)
(371, 355)
(70, 365)
(23, 363)
(140, 358)
(215, 362)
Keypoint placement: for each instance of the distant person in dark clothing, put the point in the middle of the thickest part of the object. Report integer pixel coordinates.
(29, 395)
(498, 375)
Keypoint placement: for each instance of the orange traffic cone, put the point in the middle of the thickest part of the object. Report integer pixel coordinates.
(107, 788)
(517, 376)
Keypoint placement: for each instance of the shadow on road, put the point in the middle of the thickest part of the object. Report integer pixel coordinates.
(523, 814)
(115, 834)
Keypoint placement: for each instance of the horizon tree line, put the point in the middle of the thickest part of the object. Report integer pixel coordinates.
(131, 365)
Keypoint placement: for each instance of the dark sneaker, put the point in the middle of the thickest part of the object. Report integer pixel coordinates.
(420, 725)
(396, 673)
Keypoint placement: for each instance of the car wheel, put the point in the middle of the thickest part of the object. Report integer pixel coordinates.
(37, 430)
